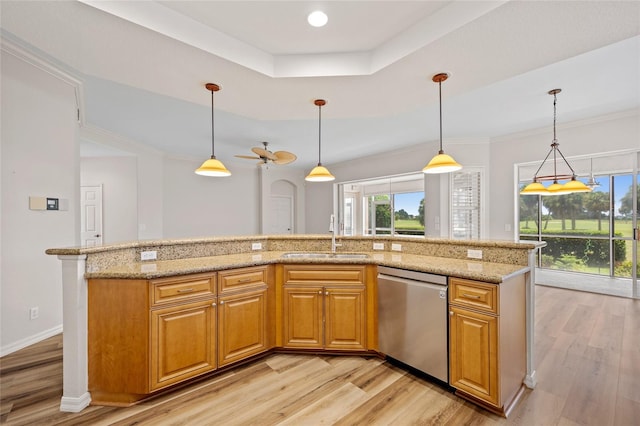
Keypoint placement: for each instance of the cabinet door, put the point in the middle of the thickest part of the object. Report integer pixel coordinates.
(345, 313)
(242, 327)
(473, 353)
(302, 311)
(183, 342)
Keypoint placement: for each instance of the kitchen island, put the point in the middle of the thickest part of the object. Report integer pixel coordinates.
(500, 263)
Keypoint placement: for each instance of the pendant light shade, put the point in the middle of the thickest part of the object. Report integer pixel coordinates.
(213, 166)
(319, 173)
(441, 163)
(556, 188)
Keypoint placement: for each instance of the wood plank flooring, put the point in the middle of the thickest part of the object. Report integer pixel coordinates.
(587, 357)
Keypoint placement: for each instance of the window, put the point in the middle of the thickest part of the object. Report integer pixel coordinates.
(588, 232)
(466, 205)
(384, 206)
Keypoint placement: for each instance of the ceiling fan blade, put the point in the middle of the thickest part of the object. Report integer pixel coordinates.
(264, 153)
(247, 157)
(284, 157)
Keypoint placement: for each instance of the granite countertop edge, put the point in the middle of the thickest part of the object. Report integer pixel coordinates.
(73, 251)
(468, 269)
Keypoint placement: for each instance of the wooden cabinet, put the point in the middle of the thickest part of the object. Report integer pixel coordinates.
(324, 307)
(243, 317)
(487, 352)
(183, 342)
(147, 334)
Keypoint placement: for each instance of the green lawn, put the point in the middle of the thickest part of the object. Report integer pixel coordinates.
(588, 225)
(408, 224)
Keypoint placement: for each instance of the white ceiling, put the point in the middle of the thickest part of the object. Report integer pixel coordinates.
(144, 65)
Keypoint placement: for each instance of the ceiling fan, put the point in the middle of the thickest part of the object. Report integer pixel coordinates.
(264, 155)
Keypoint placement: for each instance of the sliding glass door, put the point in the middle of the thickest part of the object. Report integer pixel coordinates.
(594, 233)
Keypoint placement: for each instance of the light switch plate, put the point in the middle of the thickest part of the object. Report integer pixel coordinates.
(396, 247)
(378, 246)
(256, 246)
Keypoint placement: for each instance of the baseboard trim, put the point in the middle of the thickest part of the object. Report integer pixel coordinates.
(75, 405)
(28, 341)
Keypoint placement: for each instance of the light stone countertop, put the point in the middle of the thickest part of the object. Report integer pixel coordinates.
(471, 269)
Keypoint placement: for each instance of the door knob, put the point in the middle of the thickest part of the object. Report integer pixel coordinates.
(97, 235)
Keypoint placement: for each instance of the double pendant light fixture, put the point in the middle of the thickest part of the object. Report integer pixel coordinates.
(556, 188)
(441, 163)
(319, 172)
(213, 166)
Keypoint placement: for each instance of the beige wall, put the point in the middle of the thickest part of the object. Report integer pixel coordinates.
(39, 153)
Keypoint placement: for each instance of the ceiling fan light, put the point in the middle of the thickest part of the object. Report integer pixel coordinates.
(575, 185)
(319, 174)
(534, 188)
(213, 167)
(441, 163)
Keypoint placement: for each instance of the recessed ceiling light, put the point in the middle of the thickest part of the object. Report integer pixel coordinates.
(317, 18)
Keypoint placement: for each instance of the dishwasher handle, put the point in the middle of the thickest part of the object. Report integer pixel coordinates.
(406, 281)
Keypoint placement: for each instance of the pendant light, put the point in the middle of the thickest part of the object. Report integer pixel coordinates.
(441, 163)
(319, 172)
(212, 166)
(592, 183)
(556, 188)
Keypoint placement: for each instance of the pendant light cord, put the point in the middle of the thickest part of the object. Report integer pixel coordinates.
(213, 155)
(319, 132)
(440, 103)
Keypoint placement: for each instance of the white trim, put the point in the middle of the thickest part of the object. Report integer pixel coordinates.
(28, 341)
(50, 68)
(577, 123)
(101, 136)
(75, 405)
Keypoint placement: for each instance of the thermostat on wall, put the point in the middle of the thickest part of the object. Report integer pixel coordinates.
(52, 204)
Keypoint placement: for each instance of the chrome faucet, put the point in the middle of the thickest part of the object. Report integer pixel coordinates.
(333, 230)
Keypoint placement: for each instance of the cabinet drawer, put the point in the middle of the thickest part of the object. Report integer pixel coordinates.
(168, 290)
(238, 279)
(333, 275)
(474, 294)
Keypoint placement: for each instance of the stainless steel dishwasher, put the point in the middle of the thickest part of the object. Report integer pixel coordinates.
(413, 321)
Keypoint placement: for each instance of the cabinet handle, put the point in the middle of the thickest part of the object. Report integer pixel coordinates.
(213, 304)
(326, 293)
(319, 291)
(244, 280)
(451, 313)
(471, 296)
(222, 302)
(185, 290)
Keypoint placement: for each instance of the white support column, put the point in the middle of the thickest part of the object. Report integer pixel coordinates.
(530, 379)
(75, 387)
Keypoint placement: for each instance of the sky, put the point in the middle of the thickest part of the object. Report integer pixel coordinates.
(409, 201)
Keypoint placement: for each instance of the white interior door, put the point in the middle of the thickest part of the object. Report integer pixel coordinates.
(91, 215)
(281, 215)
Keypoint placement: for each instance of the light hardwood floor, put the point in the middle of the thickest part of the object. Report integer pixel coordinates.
(587, 356)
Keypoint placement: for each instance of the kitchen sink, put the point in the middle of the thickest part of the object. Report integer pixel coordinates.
(314, 255)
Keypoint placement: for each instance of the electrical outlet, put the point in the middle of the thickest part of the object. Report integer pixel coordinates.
(474, 254)
(149, 255)
(396, 247)
(378, 246)
(256, 246)
(149, 267)
(34, 312)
